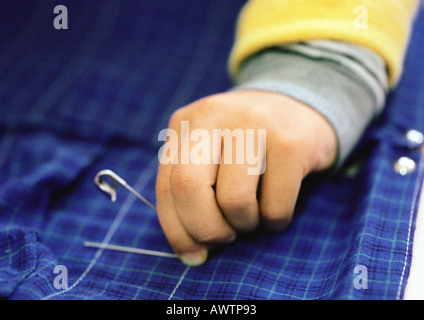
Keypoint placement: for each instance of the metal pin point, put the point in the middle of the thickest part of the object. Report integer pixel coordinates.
(129, 249)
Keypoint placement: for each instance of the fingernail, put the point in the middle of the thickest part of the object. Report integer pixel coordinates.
(194, 259)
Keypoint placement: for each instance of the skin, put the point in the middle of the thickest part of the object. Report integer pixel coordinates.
(203, 205)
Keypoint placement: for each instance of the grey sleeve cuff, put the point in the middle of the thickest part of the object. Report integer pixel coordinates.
(347, 84)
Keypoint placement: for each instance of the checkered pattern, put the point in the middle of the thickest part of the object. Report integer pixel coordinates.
(95, 96)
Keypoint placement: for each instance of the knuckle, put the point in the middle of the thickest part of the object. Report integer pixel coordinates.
(288, 143)
(252, 114)
(235, 202)
(212, 100)
(206, 106)
(222, 102)
(241, 211)
(182, 184)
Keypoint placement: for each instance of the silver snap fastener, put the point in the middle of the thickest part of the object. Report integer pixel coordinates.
(414, 138)
(404, 166)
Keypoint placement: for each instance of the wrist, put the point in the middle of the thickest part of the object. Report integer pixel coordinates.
(347, 90)
(325, 146)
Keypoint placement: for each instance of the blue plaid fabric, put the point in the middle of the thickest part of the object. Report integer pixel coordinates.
(95, 96)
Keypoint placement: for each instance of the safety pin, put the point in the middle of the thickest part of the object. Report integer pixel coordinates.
(109, 188)
(129, 249)
(116, 181)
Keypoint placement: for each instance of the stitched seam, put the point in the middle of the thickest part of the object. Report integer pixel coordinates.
(412, 213)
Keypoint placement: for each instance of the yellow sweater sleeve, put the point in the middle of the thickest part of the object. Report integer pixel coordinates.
(267, 23)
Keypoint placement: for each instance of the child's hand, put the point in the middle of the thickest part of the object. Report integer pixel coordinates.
(201, 205)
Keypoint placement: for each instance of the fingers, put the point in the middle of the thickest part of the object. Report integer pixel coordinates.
(188, 212)
(190, 252)
(236, 194)
(279, 189)
(196, 206)
(187, 209)
(202, 204)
